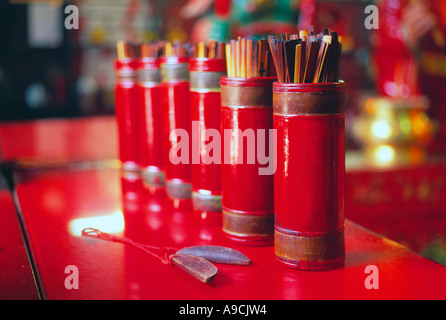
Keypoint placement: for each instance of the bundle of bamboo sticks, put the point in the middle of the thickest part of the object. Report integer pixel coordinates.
(307, 57)
(136, 50)
(210, 49)
(247, 58)
(153, 49)
(127, 50)
(177, 48)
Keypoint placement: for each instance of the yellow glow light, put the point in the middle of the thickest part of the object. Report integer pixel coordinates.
(384, 154)
(381, 129)
(112, 223)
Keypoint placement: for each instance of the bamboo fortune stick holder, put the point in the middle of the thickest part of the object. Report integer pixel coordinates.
(309, 179)
(150, 122)
(205, 74)
(176, 115)
(248, 197)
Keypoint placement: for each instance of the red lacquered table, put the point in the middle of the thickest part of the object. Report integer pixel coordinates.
(42, 145)
(16, 274)
(403, 201)
(59, 140)
(59, 201)
(57, 205)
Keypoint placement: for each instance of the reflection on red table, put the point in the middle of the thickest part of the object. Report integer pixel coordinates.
(57, 206)
(16, 277)
(92, 139)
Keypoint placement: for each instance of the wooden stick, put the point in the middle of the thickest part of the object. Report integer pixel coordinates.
(303, 60)
(274, 54)
(283, 68)
(321, 64)
(221, 50)
(311, 61)
(249, 58)
(211, 49)
(332, 58)
(297, 65)
(237, 59)
(229, 60)
(232, 44)
(255, 59)
(243, 58)
(201, 51)
(271, 68)
(290, 58)
(262, 57)
(168, 49)
(120, 47)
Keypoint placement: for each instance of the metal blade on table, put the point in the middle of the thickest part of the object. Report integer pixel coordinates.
(197, 267)
(217, 254)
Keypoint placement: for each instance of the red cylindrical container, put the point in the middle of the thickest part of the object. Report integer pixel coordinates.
(309, 180)
(150, 122)
(177, 126)
(205, 74)
(247, 191)
(127, 113)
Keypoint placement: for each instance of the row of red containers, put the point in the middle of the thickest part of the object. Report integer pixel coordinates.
(268, 155)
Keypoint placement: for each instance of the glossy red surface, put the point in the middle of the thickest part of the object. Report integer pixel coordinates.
(205, 114)
(387, 200)
(59, 140)
(244, 189)
(126, 109)
(16, 276)
(205, 100)
(311, 150)
(176, 115)
(403, 203)
(207, 64)
(110, 270)
(247, 191)
(57, 205)
(150, 125)
(174, 59)
(147, 63)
